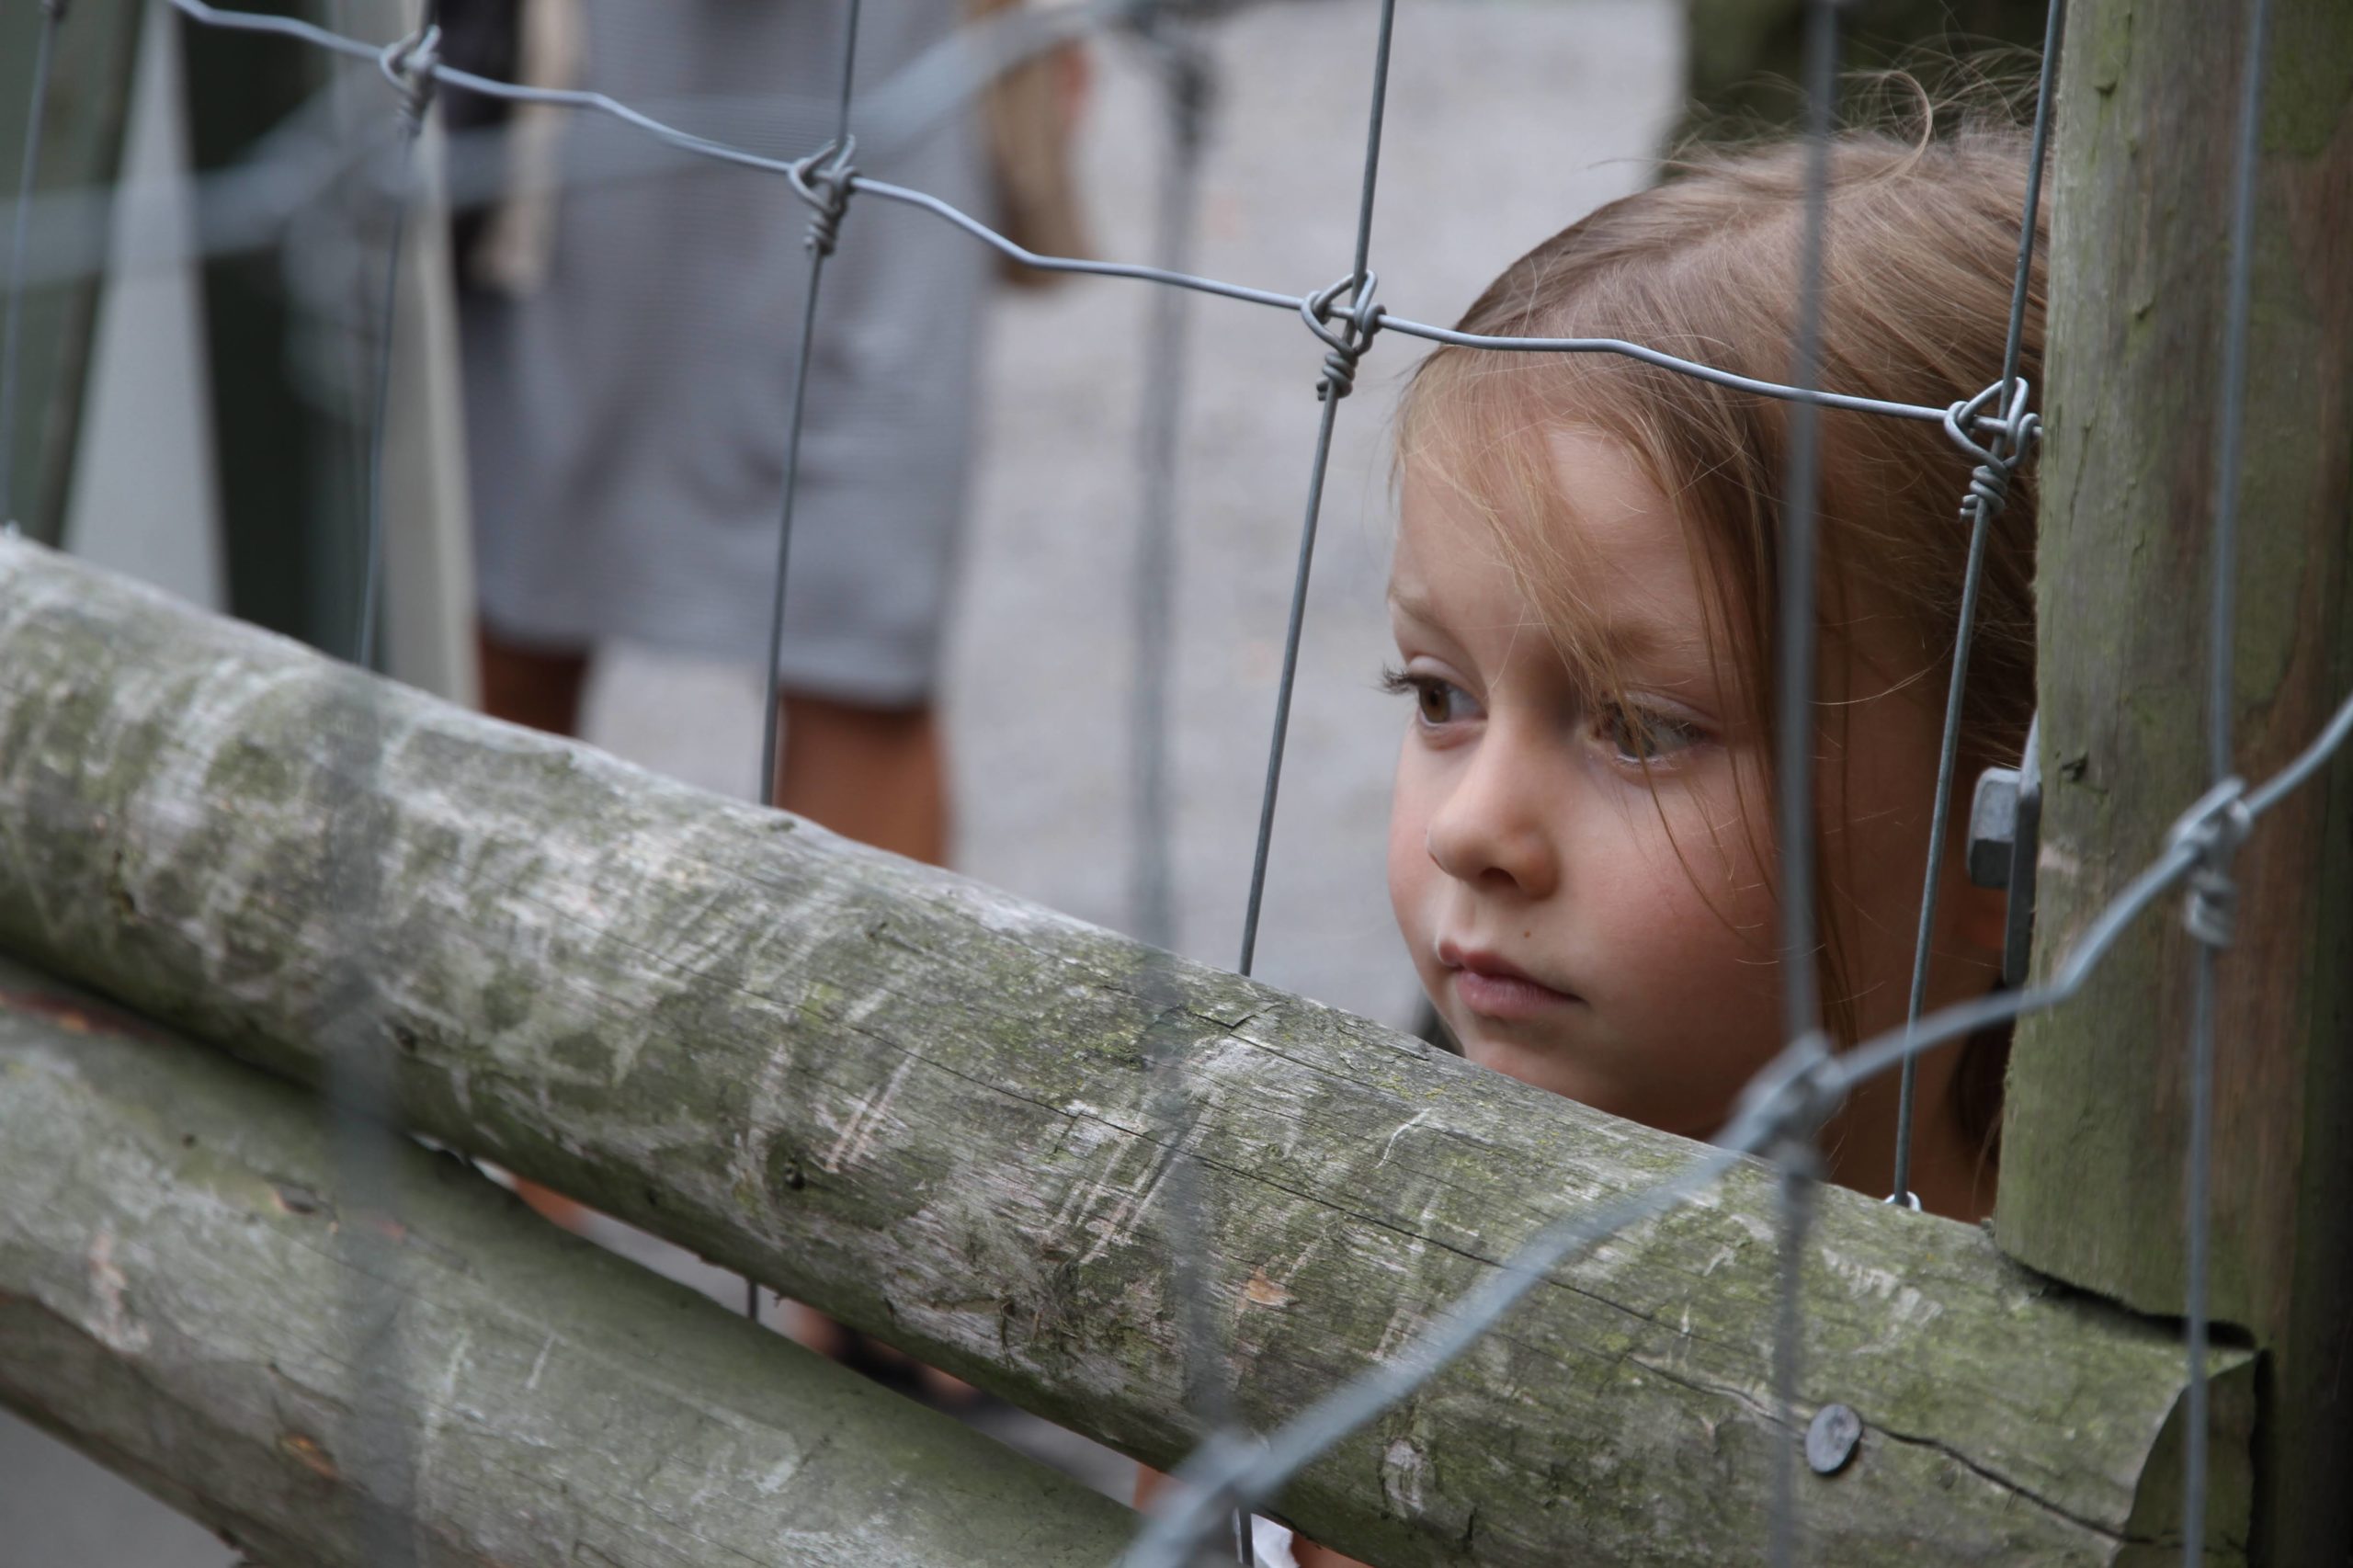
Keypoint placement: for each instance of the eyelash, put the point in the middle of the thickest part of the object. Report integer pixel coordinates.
(1623, 726)
(1421, 688)
(1626, 726)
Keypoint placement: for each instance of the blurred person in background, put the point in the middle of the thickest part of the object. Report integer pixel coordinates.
(630, 319)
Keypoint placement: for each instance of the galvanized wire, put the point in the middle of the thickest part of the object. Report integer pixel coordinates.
(360, 1101)
(1185, 85)
(1167, 31)
(1988, 488)
(830, 167)
(361, 1095)
(2212, 893)
(1344, 347)
(1786, 1103)
(415, 85)
(1798, 1161)
(1793, 763)
(1795, 1089)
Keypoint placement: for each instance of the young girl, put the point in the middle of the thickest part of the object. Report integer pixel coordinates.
(1581, 852)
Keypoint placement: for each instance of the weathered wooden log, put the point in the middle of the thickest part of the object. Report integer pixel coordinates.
(925, 1106)
(174, 1298)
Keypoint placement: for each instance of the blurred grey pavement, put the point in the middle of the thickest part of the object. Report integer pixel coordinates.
(1507, 119)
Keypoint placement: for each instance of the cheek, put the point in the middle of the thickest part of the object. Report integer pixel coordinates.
(1710, 910)
(1410, 868)
(1688, 943)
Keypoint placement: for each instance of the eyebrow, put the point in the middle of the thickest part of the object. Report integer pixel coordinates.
(1629, 640)
(1414, 604)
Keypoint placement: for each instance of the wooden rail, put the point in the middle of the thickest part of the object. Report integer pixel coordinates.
(924, 1106)
(176, 1298)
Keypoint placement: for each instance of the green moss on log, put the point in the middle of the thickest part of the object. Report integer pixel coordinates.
(178, 1297)
(924, 1106)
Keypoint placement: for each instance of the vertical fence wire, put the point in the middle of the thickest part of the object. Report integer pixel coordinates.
(1184, 82)
(1793, 762)
(1984, 501)
(2212, 893)
(361, 1097)
(830, 167)
(1340, 377)
(1208, 1394)
(1796, 1197)
(408, 67)
(12, 318)
(1168, 30)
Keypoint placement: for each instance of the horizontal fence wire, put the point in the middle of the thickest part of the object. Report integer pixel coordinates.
(1232, 1471)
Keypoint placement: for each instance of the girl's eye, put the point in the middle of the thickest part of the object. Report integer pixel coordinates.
(1645, 734)
(1436, 702)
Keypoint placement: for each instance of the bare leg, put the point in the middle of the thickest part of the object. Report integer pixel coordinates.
(875, 774)
(538, 686)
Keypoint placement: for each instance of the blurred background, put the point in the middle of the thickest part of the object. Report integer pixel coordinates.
(182, 425)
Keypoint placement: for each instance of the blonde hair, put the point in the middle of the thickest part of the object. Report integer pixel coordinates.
(1920, 248)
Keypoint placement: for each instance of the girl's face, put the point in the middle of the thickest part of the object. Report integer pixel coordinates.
(1582, 880)
(1579, 889)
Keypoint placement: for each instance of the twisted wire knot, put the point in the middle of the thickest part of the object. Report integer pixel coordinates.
(2214, 827)
(2016, 433)
(1787, 1102)
(824, 180)
(1359, 322)
(54, 9)
(413, 65)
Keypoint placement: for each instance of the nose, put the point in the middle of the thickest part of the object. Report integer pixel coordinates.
(1492, 828)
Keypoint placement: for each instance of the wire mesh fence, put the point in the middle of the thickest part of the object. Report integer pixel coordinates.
(1994, 431)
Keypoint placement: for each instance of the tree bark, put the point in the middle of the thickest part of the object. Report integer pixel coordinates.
(178, 1297)
(2093, 1151)
(924, 1107)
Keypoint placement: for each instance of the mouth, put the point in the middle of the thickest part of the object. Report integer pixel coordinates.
(1491, 986)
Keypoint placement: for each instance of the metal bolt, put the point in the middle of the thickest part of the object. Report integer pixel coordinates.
(1830, 1440)
(1993, 827)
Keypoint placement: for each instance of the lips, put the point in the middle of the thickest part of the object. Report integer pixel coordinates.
(1493, 987)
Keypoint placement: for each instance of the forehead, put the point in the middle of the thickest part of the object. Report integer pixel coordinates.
(1580, 537)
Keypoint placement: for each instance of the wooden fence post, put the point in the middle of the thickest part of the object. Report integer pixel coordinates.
(2092, 1178)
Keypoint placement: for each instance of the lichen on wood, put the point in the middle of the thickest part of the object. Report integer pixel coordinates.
(923, 1105)
(176, 1298)
(2095, 1142)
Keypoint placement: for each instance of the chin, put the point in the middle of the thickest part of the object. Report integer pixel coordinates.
(1561, 1068)
(1542, 1065)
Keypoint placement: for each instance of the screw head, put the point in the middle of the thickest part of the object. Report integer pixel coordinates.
(1831, 1438)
